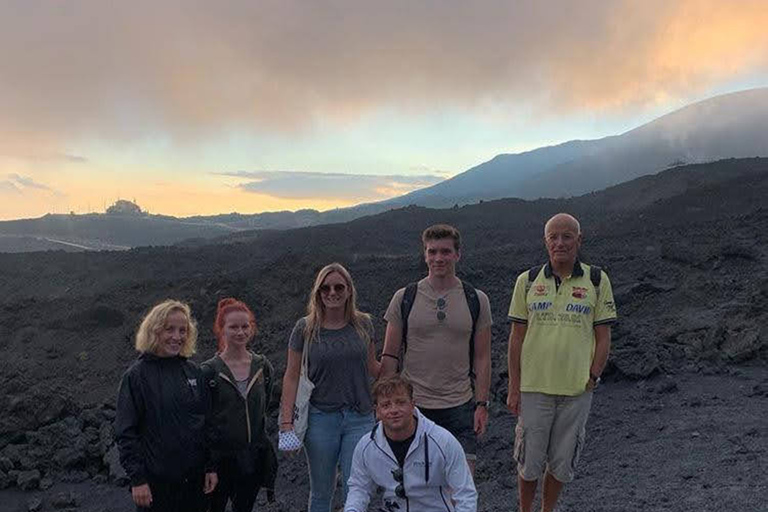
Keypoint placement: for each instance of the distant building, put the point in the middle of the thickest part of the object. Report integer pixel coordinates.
(124, 207)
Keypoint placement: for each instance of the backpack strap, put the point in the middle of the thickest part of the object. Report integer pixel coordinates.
(405, 309)
(595, 275)
(533, 273)
(473, 302)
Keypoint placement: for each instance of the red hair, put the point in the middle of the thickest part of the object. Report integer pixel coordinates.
(225, 307)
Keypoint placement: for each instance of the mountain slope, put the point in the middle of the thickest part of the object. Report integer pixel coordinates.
(728, 126)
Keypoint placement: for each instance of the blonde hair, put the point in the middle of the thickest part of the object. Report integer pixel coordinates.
(153, 323)
(316, 308)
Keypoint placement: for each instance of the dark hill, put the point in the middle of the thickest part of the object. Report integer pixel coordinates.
(686, 251)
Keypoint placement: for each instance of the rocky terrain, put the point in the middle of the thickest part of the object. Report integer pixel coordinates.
(679, 425)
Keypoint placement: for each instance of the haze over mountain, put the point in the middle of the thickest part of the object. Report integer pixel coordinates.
(732, 125)
(728, 126)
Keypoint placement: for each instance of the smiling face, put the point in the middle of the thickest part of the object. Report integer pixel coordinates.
(563, 239)
(237, 328)
(441, 257)
(334, 291)
(395, 411)
(173, 334)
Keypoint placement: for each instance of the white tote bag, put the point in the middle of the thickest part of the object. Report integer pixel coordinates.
(303, 393)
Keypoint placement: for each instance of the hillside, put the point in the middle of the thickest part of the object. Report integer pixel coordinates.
(686, 251)
(727, 126)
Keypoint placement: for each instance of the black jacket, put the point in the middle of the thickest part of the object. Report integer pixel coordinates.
(163, 427)
(240, 422)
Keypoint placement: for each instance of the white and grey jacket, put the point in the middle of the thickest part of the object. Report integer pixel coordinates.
(435, 472)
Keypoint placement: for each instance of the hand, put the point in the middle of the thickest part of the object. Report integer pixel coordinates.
(211, 480)
(142, 495)
(481, 420)
(590, 385)
(513, 401)
(288, 441)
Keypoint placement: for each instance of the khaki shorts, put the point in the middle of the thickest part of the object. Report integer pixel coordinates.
(550, 434)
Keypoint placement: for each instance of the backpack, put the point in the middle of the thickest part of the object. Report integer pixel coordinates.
(595, 275)
(473, 302)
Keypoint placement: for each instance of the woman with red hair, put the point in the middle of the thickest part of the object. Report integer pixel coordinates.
(241, 386)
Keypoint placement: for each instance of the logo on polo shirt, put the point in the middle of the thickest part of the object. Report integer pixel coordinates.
(540, 289)
(539, 306)
(578, 308)
(579, 292)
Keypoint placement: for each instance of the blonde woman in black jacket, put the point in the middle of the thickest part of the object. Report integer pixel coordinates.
(163, 428)
(240, 382)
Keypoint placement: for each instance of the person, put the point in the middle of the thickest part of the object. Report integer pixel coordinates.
(561, 316)
(443, 348)
(419, 464)
(342, 362)
(162, 427)
(241, 386)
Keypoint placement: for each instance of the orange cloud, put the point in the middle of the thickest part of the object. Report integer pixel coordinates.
(129, 70)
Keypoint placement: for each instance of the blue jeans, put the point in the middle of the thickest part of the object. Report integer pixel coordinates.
(329, 442)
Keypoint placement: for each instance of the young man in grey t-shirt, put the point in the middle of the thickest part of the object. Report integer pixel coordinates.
(437, 359)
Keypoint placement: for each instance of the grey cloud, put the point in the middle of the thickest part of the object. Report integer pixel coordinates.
(313, 185)
(121, 70)
(28, 182)
(9, 187)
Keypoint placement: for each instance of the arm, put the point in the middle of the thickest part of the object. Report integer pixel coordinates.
(360, 484)
(514, 353)
(211, 427)
(130, 409)
(483, 376)
(374, 366)
(290, 385)
(392, 340)
(602, 349)
(458, 478)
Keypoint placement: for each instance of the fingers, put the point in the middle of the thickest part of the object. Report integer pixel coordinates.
(142, 495)
(211, 480)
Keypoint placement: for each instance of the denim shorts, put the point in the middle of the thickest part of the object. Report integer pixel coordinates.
(459, 421)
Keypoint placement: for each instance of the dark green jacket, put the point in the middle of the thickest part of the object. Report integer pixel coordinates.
(240, 422)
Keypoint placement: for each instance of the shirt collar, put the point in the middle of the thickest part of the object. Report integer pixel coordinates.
(577, 271)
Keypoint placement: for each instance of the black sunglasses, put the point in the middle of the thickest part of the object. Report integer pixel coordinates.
(338, 288)
(397, 474)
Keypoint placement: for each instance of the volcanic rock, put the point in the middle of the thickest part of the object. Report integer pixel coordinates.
(28, 480)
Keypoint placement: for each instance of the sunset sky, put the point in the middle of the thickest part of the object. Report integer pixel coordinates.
(198, 107)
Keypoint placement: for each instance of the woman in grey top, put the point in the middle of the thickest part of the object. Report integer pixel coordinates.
(342, 363)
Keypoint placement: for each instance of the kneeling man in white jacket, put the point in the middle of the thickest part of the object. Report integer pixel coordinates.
(420, 465)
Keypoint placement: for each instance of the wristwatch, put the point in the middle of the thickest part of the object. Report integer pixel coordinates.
(482, 403)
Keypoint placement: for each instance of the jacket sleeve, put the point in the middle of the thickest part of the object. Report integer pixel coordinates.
(130, 414)
(360, 484)
(459, 478)
(269, 381)
(208, 381)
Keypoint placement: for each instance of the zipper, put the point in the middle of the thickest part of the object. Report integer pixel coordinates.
(245, 398)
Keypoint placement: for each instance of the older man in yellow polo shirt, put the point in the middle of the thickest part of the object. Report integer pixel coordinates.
(561, 316)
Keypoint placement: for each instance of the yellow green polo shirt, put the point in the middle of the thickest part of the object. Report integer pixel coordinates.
(560, 337)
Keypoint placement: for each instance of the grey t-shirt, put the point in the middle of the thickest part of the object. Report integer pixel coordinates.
(337, 367)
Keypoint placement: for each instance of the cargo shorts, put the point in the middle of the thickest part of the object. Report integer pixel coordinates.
(550, 434)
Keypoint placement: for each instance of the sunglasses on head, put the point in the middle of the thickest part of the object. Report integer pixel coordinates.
(397, 474)
(338, 288)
